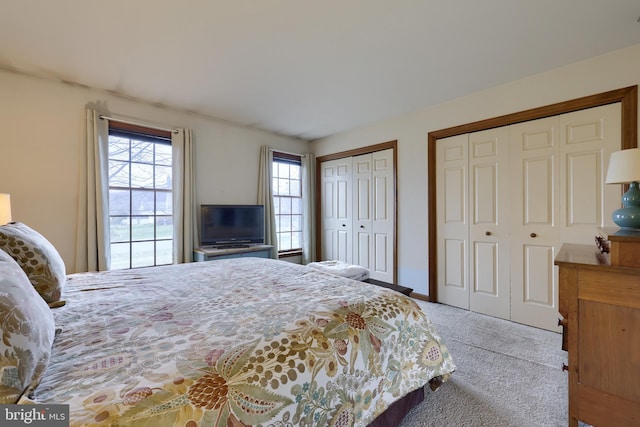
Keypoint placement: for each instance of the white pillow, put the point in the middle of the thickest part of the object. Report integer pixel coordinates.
(27, 333)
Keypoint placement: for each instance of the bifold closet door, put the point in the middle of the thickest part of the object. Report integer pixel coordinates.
(587, 140)
(473, 213)
(559, 196)
(508, 197)
(453, 220)
(535, 179)
(489, 224)
(373, 213)
(358, 212)
(336, 210)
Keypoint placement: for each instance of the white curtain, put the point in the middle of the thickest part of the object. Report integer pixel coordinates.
(92, 237)
(308, 163)
(265, 197)
(184, 222)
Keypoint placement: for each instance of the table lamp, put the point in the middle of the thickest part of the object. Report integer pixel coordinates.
(624, 168)
(5, 208)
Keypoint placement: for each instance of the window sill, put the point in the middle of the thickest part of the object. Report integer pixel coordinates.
(285, 254)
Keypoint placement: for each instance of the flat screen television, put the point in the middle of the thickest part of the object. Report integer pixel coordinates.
(228, 225)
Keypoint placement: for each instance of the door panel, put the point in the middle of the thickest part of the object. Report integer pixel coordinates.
(455, 205)
(486, 194)
(329, 244)
(382, 257)
(362, 254)
(362, 190)
(538, 265)
(343, 252)
(383, 218)
(455, 271)
(343, 207)
(362, 205)
(336, 210)
(452, 221)
(329, 232)
(587, 141)
(489, 231)
(538, 180)
(535, 234)
(381, 198)
(584, 170)
(485, 268)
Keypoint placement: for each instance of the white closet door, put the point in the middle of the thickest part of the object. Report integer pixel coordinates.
(489, 231)
(336, 210)
(382, 216)
(558, 172)
(363, 211)
(498, 234)
(535, 183)
(587, 140)
(452, 220)
(373, 214)
(358, 212)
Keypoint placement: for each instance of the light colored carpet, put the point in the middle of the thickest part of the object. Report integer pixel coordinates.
(507, 374)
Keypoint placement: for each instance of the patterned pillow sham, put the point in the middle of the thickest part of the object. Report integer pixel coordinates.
(37, 257)
(28, 331)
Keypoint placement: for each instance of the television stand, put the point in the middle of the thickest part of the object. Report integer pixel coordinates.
(209, 253)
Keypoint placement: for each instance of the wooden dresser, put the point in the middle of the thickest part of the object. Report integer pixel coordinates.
(600, 309)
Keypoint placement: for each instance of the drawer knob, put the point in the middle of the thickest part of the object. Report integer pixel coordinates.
(533, 235)
(487, 233)
(565, 367)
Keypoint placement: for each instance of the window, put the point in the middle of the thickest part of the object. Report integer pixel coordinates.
(287, 201)
(140, 197)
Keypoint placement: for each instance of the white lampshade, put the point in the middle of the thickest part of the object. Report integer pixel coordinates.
(5, 208)
(624, 166)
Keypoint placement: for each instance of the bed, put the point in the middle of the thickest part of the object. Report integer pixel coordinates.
(234, 342)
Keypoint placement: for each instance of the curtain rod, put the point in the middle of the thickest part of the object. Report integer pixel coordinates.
(285, 152)
(132, 122)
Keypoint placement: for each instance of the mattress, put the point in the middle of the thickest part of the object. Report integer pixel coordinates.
(246, 341)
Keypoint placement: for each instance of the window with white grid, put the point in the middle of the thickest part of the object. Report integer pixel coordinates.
(287, 201)
(140, 199)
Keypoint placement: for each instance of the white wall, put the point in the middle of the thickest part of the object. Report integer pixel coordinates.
(42, 125)
(600, 74)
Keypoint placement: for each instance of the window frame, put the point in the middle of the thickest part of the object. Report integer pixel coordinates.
(296, 159)
(152, 135)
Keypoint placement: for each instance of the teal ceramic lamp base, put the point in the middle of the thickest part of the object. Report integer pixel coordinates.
(629, 215)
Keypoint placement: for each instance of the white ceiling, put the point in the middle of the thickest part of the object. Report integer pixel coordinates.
(301, 67)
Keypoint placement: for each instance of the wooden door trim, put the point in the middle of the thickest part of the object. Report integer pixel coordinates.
(350, 153)
(627, 97)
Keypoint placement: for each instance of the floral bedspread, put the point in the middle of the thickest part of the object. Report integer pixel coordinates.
(246, 341)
